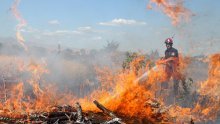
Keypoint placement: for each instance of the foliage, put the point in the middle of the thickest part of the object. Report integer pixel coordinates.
(111, 46)
(142, 60)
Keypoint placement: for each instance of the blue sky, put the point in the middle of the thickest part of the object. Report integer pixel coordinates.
(90, 23)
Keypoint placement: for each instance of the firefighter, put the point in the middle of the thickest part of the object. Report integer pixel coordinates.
(171, 61)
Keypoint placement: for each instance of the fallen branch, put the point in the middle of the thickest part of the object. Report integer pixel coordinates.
(115, 119)
(105, 110)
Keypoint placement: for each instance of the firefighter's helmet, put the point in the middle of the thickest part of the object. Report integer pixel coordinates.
(169, 41)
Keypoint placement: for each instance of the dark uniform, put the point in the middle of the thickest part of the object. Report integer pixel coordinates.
(171, 70)
(172, 52)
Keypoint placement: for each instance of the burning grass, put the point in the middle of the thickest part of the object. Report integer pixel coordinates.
(132, 102)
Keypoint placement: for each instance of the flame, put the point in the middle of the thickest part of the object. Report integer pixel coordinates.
(37, 71)
(212, 85)
(209, 104)
(173, 9)
(22, 23)
(124, 96)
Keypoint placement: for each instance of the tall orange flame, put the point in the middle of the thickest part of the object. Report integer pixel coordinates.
(212, 85)
(173, 9)
(207, 107)
(22, 23)
(210, 91)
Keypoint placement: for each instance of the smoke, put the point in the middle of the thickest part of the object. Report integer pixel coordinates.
(22, 23)
(68, 69)
(175, 10)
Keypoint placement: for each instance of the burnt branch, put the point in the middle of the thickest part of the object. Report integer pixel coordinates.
(105, 110)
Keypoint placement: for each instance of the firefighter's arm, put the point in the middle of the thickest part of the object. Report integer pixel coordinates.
(175, 59)
(165, 61)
